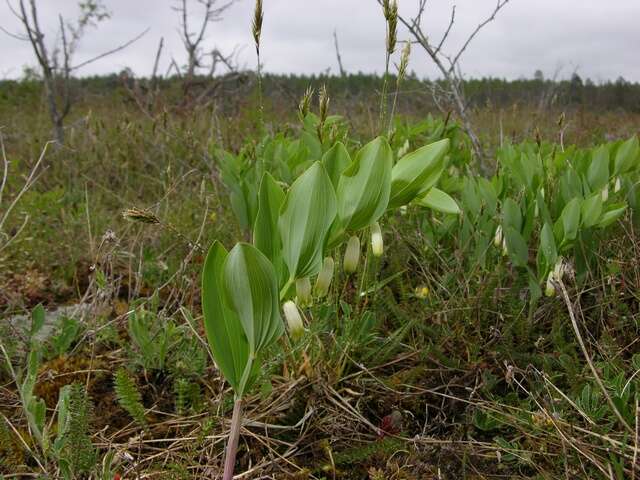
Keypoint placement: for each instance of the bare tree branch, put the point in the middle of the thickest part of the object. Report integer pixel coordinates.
(499, 6)
(156, 63)
(446, 33)
(193, 41)
(112, 51)
(22, 38)
(335, 41)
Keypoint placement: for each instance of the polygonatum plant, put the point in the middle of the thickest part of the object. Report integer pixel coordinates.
(294, 232)
(241, 318)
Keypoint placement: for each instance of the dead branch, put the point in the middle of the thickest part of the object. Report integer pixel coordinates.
(111, 52)
(335, 42)
(446, 33)
(156, 63)
(192, 41)
(481, 25)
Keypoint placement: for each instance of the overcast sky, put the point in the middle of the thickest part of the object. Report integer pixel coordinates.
(598, 39)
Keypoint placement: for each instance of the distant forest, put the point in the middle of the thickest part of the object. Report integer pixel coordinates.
(415, 93)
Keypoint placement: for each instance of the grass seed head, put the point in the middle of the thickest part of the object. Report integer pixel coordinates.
(305, 102)
(140, 215)
(323, 99)
(404, 60)
(256, 25)
(392, 27)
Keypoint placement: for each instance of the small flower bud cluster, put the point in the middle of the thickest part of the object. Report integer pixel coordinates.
(351, 255)
(561, 270)
(377, 243)
(294, 319)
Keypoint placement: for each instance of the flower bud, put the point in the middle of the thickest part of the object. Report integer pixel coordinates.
(550, 290)
(294, 320)
(559, 269)
(303, 291)
(505, 250)
(497, 239)
(403, 210)
(323, 282)
(617, 186)
(605, 194)
(351, 255)
(402, 151)
(422, 292)
(377, 243)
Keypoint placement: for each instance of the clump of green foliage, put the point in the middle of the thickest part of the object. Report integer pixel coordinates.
(74, 449)
(129, 396)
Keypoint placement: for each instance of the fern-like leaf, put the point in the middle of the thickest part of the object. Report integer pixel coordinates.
(129, 396)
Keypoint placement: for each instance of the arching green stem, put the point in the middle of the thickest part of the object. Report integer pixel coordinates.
(286, 288)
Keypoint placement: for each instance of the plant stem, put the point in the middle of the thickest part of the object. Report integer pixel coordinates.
(260, 100)
(286, 288)
(383, 96)
(232, 443)
(393, 107)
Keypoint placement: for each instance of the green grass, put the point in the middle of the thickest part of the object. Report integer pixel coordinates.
(486, 389)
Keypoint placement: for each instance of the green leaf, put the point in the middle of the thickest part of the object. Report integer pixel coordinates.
(570, 185)
(37, 320)
(545, 215)
(548, 244)
(364, 187)
(306, 215)
(417, 172)
(336, 160)
(598, 173)
(63, 412)
(517, 247)
(488, 193)
(591, 210)
(511, 215)
(313, 144)
(570, 218)
(37, 410)
(614, 212)
(628, 153)
(251, 292)
(440, 201)
(534, 289)
(225, 334)
(266, 237)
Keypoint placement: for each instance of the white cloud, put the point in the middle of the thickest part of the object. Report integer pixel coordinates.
(600, 39)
